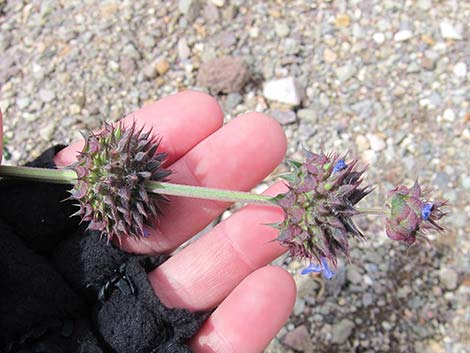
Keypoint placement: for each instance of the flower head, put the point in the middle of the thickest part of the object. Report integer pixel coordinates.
(318, 208)
(411, 214)
(322, 267)
(111, 173)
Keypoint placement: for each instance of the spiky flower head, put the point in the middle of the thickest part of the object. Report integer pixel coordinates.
(411, 214)
(318, 208)
(112, 170)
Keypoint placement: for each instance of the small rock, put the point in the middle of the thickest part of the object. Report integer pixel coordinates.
(424, 4)
(291, 46)
(449, 278)
(448, 115)
(183, 49)
(378, 37)
(23, 102)
(329, 56)
(345, 72)
(460, 69)
(448, 31)
(211, 13)
(299, 306)
(299, 339)
(46, 95)
(387, 325)
(47, 132)
(376, 143)
(466, 182)
(362, 143)
(282, 29)
(226, 74)
(341, 331)
(428, 64)
(342, 20)
(218, 3)
(162, 66)
(441, 180)
(233, 99)
(127, 66)
(189, 8)
(402, 36)
(354, 274)
(307, 115)
(284, 117)
(74, 109)
(367, 299)
(285, 90)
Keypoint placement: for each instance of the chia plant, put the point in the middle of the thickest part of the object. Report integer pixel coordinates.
(119, 183)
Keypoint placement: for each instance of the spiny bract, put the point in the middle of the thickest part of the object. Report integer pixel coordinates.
(318, 208)
(112, 170)
(411, 214)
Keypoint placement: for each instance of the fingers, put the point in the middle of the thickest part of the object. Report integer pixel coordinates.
(221, 259)
(236, 157)
(250, 316)
(181, 120)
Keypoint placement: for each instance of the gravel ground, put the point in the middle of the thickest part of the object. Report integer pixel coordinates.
(387, 80)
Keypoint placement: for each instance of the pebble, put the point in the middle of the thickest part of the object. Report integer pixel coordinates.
(299, 339)
(183, 50)
(23, 102)
(233, 99)
(284, 117)
(460, 70)
(466, 182)
(344, 73)
(189, 8)
(218, 3)
(402, 36)
(309, 115)
(227, 74)
(299, 306)
(46, 95)
(448, 31)
(282, 29)
(376, 143)
(285, 90)
(47, 132)
(449, 278)
(342, 330)
(162, 66)
(378, 37)
(329, 56)
(448, 115)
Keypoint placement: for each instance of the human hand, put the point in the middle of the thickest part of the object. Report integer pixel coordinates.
(226, 268)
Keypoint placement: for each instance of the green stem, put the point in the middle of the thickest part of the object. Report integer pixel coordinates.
(374, 211)
(67, 176)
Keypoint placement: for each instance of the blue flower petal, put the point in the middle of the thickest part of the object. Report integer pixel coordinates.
(426, 210)
(340, 165)
(327, 273)
(146, 233)
(311, 268)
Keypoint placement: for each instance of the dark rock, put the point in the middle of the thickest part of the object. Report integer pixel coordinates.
(224, 75)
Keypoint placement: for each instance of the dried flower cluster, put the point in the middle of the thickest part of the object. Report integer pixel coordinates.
(112, 170)
(319, 207)
(411, 214)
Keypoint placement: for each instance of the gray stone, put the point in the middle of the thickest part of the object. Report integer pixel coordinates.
(449, 278)
(441, 180)
(233, 99)
(47, 132)
(284, 117)
(448, 31)
(286, 90)
(341, 331)
(190, 9)
(299, 306)
(46, 95)
(367, 299)
(183, 49)
(308, 115)
(23, 102)
(226, 74)
(466, 182)
(377, 143)
(344, 73)
(299, 339)
(460, 70)
(354, 274)
(282, 29)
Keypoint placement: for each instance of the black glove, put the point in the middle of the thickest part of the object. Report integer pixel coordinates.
(63, 289)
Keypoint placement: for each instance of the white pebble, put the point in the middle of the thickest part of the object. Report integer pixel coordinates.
(460, 69)
(448, 31)
(449, 115)
(285, 90)
(376, 143)
(402, 36)
(378, 37)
